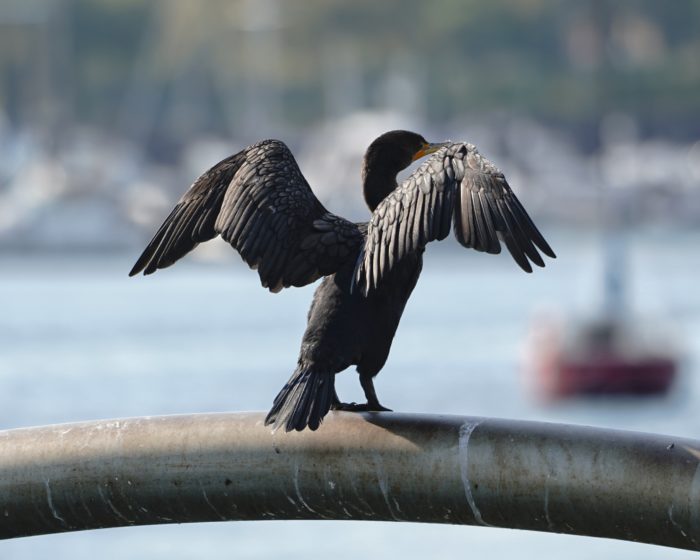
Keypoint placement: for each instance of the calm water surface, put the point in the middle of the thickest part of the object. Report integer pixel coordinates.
(79, 340)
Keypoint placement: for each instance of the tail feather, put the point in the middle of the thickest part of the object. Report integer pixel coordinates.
(303, 401)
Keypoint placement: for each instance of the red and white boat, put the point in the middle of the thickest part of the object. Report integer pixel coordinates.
(603, 357)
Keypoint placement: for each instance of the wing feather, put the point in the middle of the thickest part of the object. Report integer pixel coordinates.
(521, 235)
(260, 203)
(392, 246)
(493, 245)
(455, 187)
(446, 213)
(416, 225)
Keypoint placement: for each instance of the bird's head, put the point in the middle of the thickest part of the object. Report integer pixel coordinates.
(398, 149)
(386, 156)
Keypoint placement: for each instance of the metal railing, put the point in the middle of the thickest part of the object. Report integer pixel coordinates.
(400, 467)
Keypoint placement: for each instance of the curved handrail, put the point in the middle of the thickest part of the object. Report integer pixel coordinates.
(384, 466)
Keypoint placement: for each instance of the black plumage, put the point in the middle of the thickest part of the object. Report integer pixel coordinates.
(259, 202)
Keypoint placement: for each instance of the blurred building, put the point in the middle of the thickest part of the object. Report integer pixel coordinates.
(111, 108)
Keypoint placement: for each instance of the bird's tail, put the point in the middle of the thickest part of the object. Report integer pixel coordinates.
(303, 401)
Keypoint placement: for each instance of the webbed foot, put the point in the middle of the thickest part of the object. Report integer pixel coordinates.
(355, 407)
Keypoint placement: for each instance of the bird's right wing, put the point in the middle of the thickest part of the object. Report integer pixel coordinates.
(260, 203)
(456, 185)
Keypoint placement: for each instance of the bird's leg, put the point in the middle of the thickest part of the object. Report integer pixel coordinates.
(372, 404)
(371, 395)
(335, 402)
(348, 407)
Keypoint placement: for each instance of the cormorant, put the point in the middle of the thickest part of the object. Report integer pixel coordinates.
(260, 203)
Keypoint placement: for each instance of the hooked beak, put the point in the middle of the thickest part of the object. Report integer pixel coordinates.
(429, 148)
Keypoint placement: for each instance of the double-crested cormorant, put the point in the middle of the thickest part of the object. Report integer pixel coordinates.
(260, 203)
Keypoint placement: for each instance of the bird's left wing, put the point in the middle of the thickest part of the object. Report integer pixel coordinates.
(457, 185)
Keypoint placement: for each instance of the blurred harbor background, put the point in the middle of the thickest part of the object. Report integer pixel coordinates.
(111, 108)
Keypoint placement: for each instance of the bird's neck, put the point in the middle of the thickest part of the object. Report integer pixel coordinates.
(376, 185)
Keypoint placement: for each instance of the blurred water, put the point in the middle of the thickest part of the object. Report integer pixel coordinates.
(79, 340)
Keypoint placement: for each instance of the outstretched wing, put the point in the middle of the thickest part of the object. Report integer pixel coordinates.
(455, 186)
(260, 203)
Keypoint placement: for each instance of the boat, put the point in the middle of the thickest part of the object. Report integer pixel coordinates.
(612, 353)
(598, 357)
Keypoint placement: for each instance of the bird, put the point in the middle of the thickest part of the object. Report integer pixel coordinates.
(259, 202)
